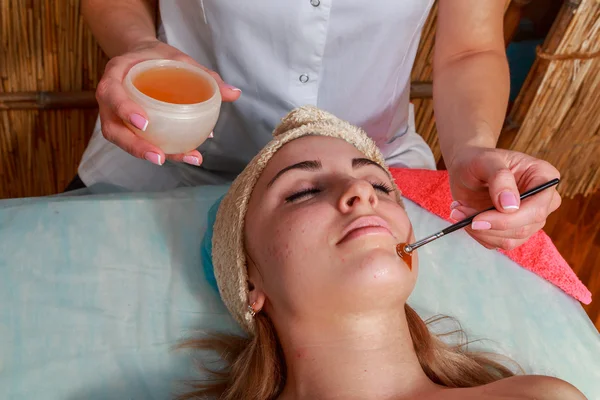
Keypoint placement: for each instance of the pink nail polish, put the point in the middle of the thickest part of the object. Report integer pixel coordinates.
(457, 215)
(454, 204)
(154, 158)
(138, 121)
(509, 201)
(191, 160)
(481, 225)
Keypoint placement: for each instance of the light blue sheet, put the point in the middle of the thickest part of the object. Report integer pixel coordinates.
(95, 290)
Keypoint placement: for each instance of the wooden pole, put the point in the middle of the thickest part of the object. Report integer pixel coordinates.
(87, 99)
(47, 100)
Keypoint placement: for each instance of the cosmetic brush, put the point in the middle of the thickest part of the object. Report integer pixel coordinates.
(404, 250)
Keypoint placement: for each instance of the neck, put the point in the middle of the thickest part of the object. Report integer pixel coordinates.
(354, 357)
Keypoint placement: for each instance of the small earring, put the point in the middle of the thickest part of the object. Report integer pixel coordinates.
(251, 310)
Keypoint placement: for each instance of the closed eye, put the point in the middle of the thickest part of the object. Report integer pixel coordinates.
(382, 187)
(302, 194)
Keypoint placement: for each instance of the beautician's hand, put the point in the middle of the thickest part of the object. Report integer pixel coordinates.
(116, 107)
(480, 177)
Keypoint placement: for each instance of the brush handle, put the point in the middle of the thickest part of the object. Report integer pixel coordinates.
(531, 192)
(461, 224)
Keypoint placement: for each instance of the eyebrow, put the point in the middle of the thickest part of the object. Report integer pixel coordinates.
(315, 165)
(363, 162)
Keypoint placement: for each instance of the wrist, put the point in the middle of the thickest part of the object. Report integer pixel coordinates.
(463, 154)
(142, 43)
(482, 140)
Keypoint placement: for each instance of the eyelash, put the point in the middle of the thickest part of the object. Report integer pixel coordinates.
(382, 187)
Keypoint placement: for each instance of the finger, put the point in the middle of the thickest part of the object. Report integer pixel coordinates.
(187, 59)
(533, 210)
(460, 212)
(522, 232)
(540, 173)
(112, 96)
(192, 157)
(502, 239)
(115, 131)
(507, 239)
(228, 92)
(501, 183)
(496, 242)
(555, 202)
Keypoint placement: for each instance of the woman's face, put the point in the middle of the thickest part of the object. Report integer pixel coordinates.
(321, 231)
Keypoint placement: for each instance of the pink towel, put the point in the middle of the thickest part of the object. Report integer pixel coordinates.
(431, 190)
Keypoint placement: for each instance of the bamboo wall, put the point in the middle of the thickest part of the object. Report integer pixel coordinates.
(423, 72)
(44, 46)
(556, 116)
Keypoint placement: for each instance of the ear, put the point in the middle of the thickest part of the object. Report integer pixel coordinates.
(256, 294)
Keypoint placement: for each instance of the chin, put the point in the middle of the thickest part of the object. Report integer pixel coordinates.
(379, 266)
(373, 279)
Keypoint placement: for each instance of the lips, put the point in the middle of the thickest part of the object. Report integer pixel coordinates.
(367, 225)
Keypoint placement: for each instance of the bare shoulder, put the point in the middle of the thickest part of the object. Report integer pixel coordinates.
(522, 387)
(534, 387)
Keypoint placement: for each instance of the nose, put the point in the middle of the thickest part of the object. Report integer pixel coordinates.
(358, 193)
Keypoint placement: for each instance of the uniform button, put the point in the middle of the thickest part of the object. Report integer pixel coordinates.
(303, 78)
(315, 3)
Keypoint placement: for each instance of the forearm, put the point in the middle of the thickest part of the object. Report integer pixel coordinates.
(470, 101)
(120, 25)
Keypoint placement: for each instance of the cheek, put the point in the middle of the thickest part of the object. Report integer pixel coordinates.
(403, 224)
(287, 243)
(293, 241)
(278, 250)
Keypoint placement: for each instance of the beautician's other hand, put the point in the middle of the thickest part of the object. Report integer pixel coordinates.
(480, 177)
(116, 107)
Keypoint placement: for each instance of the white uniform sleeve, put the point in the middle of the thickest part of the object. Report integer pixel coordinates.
(409, 150)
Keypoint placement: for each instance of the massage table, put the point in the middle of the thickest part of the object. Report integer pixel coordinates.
(98, 286)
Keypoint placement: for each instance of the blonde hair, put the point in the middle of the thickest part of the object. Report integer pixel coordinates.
(255, 368)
